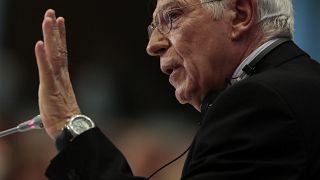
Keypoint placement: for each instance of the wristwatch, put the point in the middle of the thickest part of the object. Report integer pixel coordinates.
(75, 126)
(78, 124)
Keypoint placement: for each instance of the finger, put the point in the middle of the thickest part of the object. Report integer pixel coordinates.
(63, 40)
(50, 24)
(44, 67)
(58, 28)
(50, 33)
(62, 31)
(55, 50)
(50, 13)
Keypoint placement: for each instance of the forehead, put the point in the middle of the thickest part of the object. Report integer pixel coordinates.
(163, 4)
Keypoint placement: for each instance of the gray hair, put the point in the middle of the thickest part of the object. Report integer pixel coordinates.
(274, 16)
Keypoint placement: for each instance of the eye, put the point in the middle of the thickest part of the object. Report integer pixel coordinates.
(174, 14)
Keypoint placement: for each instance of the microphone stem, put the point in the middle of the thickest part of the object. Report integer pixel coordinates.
(34, 123)
(9, 131)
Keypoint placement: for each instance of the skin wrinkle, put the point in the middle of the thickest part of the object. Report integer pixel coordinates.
(165, 7)
(207, 50)
(187, 84)
(57, 102)
(198, 41)
(186, 52)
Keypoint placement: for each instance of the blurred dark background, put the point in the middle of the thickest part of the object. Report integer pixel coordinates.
(116, 82)
(111, 71)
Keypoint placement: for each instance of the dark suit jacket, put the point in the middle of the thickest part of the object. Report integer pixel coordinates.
(264, 127)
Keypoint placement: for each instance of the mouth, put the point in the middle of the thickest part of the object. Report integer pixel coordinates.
(175, 75)
(169, 69)
(173, 69)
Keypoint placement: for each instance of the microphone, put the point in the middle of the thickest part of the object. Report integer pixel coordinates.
(34, 123)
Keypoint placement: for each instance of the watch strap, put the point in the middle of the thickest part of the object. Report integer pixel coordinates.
(63, 140)
(67, 135)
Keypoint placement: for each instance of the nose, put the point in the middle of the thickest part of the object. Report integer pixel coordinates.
(158, 44)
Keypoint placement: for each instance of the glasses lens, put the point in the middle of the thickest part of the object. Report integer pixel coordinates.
(165, 23)
(162, 21)
(150, 30)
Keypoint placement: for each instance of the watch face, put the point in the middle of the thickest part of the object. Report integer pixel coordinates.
(80, 125)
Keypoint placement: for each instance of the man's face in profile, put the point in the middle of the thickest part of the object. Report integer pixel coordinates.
(192, 50)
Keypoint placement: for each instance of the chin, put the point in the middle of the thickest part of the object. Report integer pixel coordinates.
(180, 96)
(186, 95)
(188, 100)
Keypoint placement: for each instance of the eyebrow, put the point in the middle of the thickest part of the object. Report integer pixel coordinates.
(168, 4)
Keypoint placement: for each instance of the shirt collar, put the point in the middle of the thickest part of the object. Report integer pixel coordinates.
(238, 73)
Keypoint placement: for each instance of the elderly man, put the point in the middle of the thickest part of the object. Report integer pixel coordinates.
(233, 61)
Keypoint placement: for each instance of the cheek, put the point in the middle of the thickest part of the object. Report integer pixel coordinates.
(191, 69)
(189, 47)
(187, 40)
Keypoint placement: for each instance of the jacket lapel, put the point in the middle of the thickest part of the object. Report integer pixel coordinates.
(280, 55)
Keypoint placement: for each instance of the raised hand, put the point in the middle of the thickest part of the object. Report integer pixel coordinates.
(57, 102)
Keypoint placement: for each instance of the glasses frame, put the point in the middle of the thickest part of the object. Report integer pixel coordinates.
(155, 24)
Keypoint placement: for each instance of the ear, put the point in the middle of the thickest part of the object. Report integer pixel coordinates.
(244, 17)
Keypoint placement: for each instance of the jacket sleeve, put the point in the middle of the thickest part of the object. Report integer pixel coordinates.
(90, 156)
(249, 133)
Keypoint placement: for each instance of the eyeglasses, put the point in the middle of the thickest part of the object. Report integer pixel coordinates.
(164, 19)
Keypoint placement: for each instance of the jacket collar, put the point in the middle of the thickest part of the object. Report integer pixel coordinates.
(281, 54)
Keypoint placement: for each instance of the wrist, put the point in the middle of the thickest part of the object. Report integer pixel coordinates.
(78, 124)
(74, 126)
